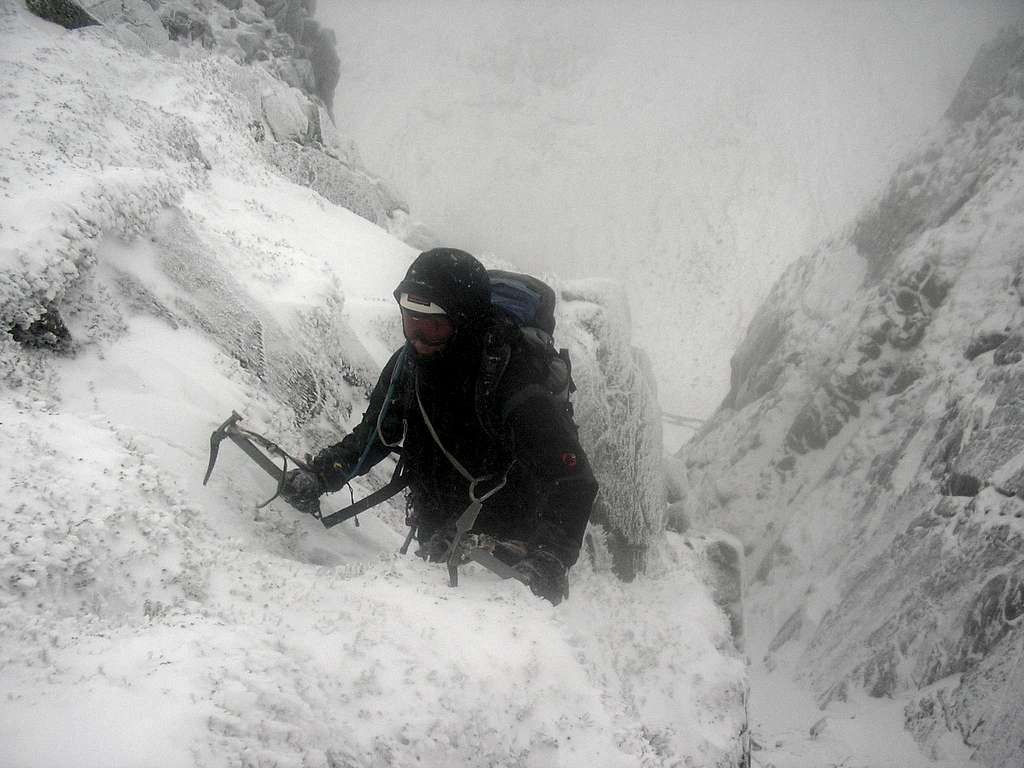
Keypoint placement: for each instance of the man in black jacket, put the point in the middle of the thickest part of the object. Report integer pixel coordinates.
(468, 431)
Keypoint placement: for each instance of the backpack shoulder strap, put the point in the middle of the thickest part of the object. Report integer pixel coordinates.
(399, 482)
(529, 392)
(494, 359)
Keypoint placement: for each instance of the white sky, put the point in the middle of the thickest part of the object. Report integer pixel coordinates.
(688, 149)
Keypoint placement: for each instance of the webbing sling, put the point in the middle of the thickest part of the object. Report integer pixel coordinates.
(399, 481)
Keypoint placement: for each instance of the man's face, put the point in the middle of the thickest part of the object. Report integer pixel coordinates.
(428, 334)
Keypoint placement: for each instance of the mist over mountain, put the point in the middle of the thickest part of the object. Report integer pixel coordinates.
(689, 150)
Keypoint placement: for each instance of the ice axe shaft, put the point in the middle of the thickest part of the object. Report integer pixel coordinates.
(462, 526)
(493, 564)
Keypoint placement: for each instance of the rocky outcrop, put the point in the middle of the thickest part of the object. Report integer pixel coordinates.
(924, 193)
(68, 14)
(292, 108)
(298, 139)
(290, 87)
(304, 365)
(133, 18)
(337, 181)
(619, 417)
(870, 453)
(281, 35)
(48, 332)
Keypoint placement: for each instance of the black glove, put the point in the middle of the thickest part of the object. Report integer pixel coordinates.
(436, 547)
(545, 575)
(302, 489)
(327, 464)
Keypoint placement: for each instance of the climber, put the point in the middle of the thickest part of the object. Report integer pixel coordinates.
(471, 404)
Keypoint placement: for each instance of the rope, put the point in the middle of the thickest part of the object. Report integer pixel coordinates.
(399, 364)
(473, 481)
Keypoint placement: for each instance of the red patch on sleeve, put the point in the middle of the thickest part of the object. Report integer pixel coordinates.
(569, 459)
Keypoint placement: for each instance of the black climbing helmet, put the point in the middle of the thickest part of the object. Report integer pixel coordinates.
(451, 279)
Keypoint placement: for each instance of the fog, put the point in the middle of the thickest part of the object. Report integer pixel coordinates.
(689, 150)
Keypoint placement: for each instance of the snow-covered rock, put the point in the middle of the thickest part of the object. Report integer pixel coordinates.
(619, 416)
(135, 18)
(340, 183)
(286, 115)
(291, 108)
(67, 13)
(869, 452)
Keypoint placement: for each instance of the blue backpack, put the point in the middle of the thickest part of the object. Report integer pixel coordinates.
(529, 303)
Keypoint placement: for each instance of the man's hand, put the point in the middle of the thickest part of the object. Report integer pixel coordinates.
(330, 468)
(438, 547)
(302, 489)
(545, 574)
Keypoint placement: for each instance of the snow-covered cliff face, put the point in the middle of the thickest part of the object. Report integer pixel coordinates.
(870, 452)
(289, 83)
(281, 34)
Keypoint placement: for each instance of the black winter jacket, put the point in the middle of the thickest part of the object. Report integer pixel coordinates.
(550, 487)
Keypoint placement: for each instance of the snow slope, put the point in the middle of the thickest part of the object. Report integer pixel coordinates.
(148, 620)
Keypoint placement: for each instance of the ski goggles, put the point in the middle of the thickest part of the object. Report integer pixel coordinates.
(432, 330)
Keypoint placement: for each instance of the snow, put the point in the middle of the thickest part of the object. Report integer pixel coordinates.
(149, 620)
(860, 733)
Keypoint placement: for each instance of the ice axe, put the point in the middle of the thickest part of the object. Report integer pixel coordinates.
(249, 441)
(245, 439)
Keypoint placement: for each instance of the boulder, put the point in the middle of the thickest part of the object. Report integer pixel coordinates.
(48, 332)
(68, 14)
(188, 25)
(250, 43)
(619, 417)
(134, 21)
(342, 185)
(326, 65)
(284, 111)
(298, 73)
